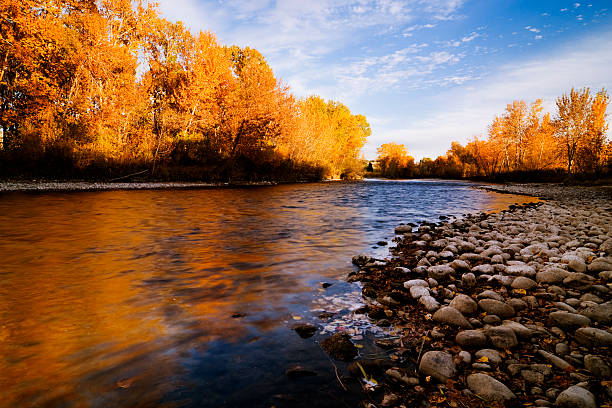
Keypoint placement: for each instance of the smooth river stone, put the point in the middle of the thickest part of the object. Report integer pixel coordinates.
(495, 307)
(438, 364)
(452, 316)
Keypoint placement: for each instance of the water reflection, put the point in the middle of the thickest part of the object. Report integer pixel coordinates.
(126, 298)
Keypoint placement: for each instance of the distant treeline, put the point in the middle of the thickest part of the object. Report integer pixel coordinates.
(522, 144)
(105, 88)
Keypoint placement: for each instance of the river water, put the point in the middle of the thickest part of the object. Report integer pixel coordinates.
(187, 297)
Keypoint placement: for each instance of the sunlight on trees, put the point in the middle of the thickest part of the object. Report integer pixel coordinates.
(524, 140)
(111, 85)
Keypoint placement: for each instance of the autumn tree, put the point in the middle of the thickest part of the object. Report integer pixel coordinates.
(572, 121)
(394, 160)
(592, 152)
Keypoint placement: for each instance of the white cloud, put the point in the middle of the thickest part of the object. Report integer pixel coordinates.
(538, 37)
(470, 37)
(532, 29)
(576, 5)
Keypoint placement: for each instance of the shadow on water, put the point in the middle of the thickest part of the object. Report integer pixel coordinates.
(186, 297)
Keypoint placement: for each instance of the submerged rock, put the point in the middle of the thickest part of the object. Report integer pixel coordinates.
(305, 330)
(340, 347)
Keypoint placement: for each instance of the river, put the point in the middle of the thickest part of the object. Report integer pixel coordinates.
(186, 297)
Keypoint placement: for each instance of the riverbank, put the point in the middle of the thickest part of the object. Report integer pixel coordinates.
(45, 186)
(506, 309)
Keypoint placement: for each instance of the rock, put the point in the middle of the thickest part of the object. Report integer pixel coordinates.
(452, 316)
(562, 349)
(464, 304)
(418, 291)
(600, 313)
(556, 290)
(483, 269)
(533, 377)
(551, 275)
(503, 280)
(438, 364)
(491, 319)
(387, 301)
(389, 400)
(464, 357)
(489, 294)
(523, 283)
(440, 272)
(577, 279)
(471, 338)
(589, 297)
(305, 330)
(361, 259)
(298, 372)
(459, 265)
(534, 249)
(402, 378)
(340, 347)
(576, 397)
(481, 366)
(574, 263)
(502, 337)
(493, 356)
(600, 265)
(403, 229)
(590, 336)
(416, 282)
(423, 262)
(517, 304)
(468, 280)
(521, 270)
(492, 306)
(564, 307)
(569, 320)
(554, 360)
(489, 388)
(518, 329)
(429, 303)
(597, 366)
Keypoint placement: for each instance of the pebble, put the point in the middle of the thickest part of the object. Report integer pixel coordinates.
(492, 306)
(464, 304)
(429, 303)
(576, 397)
(452, 316)
(502, 337)
(489, 388)
(471, 338)
(438, 364)
(554, 360)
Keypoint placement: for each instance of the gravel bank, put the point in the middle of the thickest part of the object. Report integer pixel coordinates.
(505, 309)
(7, 186)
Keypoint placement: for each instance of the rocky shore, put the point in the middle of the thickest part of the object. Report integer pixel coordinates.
(505, 309)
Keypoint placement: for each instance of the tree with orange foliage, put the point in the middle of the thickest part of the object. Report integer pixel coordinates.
(592, 153)
(572, 123)
(394, 160)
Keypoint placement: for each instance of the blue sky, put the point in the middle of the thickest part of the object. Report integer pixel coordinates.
(424, 72)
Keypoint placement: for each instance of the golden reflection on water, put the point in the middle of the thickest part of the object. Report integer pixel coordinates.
(101, 293)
